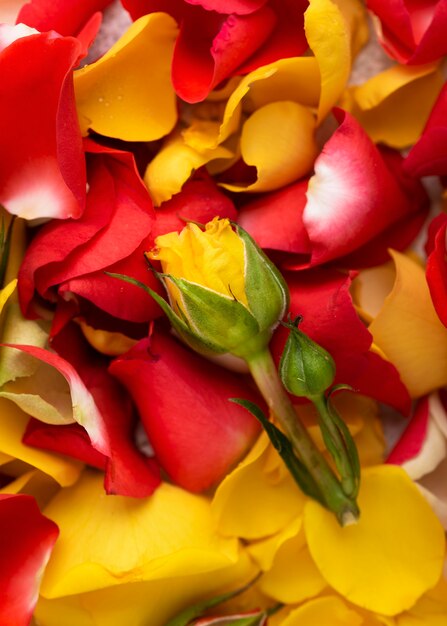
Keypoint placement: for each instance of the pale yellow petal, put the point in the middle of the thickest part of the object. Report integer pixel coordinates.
(127, 94)
(12, 426)
(394, 553)
(394, 105)
(409, 331)
(106, 541)
(265, 501)
(279, 140)
(329, 39)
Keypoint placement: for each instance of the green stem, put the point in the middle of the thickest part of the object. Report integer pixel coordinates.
(264, 372)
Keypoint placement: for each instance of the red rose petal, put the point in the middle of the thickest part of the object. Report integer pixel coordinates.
(411, 441)
(67, 17)
(26, 541)
(322, 297)
(183, 401)
(437, 267)
(42, 171)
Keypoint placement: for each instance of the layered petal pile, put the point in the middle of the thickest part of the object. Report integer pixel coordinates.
(184, 186)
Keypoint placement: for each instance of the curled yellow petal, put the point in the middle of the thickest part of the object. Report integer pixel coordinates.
(127, 94)
(394, 105)
(6, 292)
(329, 39)
(278, 139)
(394, 553)
(13, 422)
(173, 165)
(265, 497)
(409, 331)
(107, 342)
(106, 541)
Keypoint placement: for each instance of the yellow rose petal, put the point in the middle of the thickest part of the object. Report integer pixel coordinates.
(394, 105)
(127, 94)
(278, 139)
(324, 611)
(392, 556)
(265, 501)
(13, 422)
(106, 541)
(329, 39)
(146, 603)
(409, 331)
(173, 165)
(106, 342)
(356, 17)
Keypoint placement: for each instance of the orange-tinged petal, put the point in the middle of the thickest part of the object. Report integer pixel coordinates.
(127, 94)
(355, 15)
(394, 105)
(12, 426)
(329, 39)
(278, 139)
(107, 342)
(409, 331)
(107, 541)
(394, 553)
(266, 498)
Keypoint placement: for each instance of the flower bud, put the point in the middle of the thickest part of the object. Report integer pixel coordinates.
(306, 369)
(225, 294)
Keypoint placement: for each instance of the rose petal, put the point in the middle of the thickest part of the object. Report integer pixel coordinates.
(324, 610)
(408, 312)
(363, 561)
(65, 17)
(393, 106)
(118, 82)
(42, 172)
(26, 541)
(278, 139)
(172, 535)
(429, 155)
(351, 183)
(196, 449)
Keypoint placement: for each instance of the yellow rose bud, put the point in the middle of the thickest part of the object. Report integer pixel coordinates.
(225, 294)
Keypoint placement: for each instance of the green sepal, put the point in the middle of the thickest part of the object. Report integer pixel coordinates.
(196, 343)
(266, 290)
(340, 445)
(215, 318)
(281, 443)
(198, 609)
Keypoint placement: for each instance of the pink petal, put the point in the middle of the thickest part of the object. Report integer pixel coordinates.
(26, 541)
(240, 7)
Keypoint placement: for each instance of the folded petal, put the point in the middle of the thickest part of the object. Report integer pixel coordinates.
(260, 478)
(352, 183)
(437, 266)
(429, 155)
(42, 168)
(326, 609)
(393, 106)
(278, 139)
(119, 82)
(67, 18)
(71, 256)
(408, 313)
(322, 298)
(198, 447)
(411, 32)
(363, 561)
(171, 535)
(26, 541)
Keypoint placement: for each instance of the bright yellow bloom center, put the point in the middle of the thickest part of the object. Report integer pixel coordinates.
(212, 258)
